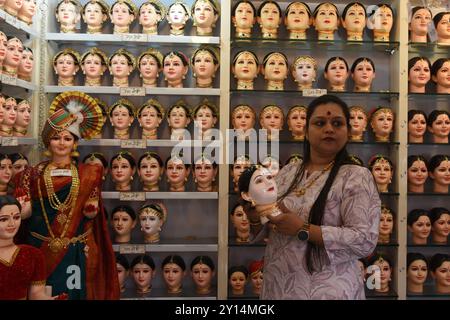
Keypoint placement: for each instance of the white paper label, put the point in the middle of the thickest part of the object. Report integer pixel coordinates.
(61, 173)
(133, 91)
(133, 143)
(314, 92)
(132, 249)
(132, 196)
(10, 141)
(7, 79)
(11, 20)
(137, 37)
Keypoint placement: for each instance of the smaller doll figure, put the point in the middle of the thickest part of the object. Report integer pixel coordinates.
(13, 56)
(150, 64)
(66, 64)
(177, 172)
(150, 116)
(205, 116)
(23, 118)
(68, 15)
(178, 118)
(271, 118)
(150, 171)
(441, 22)
(25, 69)
(94, 64)
(6, 172)
(3, 46)
(121, 116)
(294, 158)
(380, 21)
(296, 120)
(178, 14)
(13, 6)
(121, 64)
(19, 163)
(240, 164)
(256, 276)
(326, 20)
(122, 14)
(205, 62)
(419, 224)
(419, 74)
(382, 170)
(275, 70)
(354, 21)
(143, 271)
(95, 13)
(243, 119)
(336, 73)
(245, 69)
(173, 268)
(417, 173)
(123, 219)
(205, 14)
(9, 117)
(386, 225)
(272, 164)
(151, 13)
(243, 18)
(382, 123)
(204, 172)
(421, 19)
(123, 168)
(358, 123)
(152, 217)
(240, 223)
(237, 279)
(203, 271)
(304, 72)
(385, 267)
(439, 171)
(440, 269)
(363, 74)
(297, 19)
(269, 19)
(175, 68)
(417, 126)
(440, 225)
(123, 267)
(440, 74)
(99, 159)
(417, 272)
(27, 11)
(439, 125)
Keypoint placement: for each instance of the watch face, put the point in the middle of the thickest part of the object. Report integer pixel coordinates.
(303, 235)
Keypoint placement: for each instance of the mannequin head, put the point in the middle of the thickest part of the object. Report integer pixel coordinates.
(6, 172)
(202, 272)
(143, 271)
(121, 116)
(150, 170)
(256, 276)
(94, 64)
(243, 18)
(419, 224)
(245, 69)
(419, 74)
(9, 219)
(123, 168)
(68, 15)
(243, 118)
(205, 14)
(66, 64)
(14, 52)
(97, 159)
(3, 47)
(382, 123)
(177, 173)
(19, 163)
(175, 68)
(271, 118)
(237, 279)
(123, 267)
(336, 73)
(417, 126)
(387, 219)
(421, 18)
(304, 71)
(442, 25)
(27, 11)
(178, 118)
(241, 224)
(326, 20)
(9, 114)
(95, 13)
(296, 120)
(2, 112)
(174, 270)
(150, 116)
(272, 164)
(205, 62)
(204, 172)
(383, 171)
(439, 170)
(358, 123)
(298, 19)
(381, 20)
(257, 186)
(440, 271)
(440, 74)
(363, 74)
(275, 70)
(385, 266)
(354, 20)
(205, 117)
(240, 164)
(121, 65)
(440, 225)
(152, 217)
(439, 125)
(123, 220)
(269, 18)
(23, 118)
(417, 173)
(25, 69)
(178, 14)
(417, 271)
(150, 64)
(151, 13)
(122, 13)
(294, 158)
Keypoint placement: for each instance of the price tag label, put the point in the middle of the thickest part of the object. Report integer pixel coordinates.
(11, 20)
(132, 196)
(10, 142)
(61, 173)
(133, 144)
(136, 37)
(132, 249)
(133, 91)
(314, 92)
(7, 79)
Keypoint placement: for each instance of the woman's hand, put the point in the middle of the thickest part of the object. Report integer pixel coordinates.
(288, 222)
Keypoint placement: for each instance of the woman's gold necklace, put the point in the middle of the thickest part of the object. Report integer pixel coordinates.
(301, 191)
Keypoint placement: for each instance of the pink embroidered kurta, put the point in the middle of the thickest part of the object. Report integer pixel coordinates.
(349, 231)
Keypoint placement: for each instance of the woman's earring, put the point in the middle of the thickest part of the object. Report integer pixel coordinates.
(47, 153)
(253, 203)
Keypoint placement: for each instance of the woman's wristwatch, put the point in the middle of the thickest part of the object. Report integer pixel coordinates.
(303, 233)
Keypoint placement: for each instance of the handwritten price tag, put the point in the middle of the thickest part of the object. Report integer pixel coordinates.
(132, 196)
(133, 91)
(314, 92)
(137, 37)
(10, 142)
(132, 249)
(7, 79)
(133, 144)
